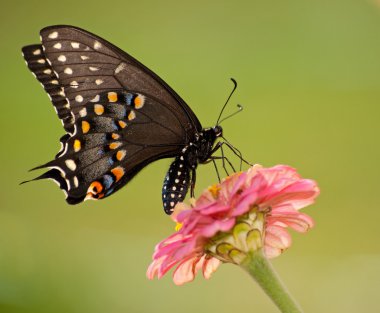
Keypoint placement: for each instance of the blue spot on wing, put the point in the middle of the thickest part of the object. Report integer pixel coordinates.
(128, 98)
(107, 181)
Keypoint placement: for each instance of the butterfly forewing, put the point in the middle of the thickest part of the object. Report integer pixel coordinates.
(87, 64)
(36, 61)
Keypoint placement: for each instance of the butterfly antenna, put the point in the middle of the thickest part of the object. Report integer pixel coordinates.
(240, 108)
(224, 106)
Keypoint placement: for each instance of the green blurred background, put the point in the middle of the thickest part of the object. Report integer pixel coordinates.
(309, 79)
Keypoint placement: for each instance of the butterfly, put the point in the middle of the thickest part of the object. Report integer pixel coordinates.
(118, 115)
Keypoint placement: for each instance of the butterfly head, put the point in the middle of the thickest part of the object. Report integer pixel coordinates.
(218, 131)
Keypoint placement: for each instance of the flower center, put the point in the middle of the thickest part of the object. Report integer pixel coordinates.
(178, 226)
(214, 189)
(245, 237)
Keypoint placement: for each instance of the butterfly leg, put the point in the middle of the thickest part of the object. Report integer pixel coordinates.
(237, 152)
(225, 158)
(219, 146)
(216, 169)
(192, 184)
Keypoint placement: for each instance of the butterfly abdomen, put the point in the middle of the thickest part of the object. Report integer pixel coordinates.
(176, 184)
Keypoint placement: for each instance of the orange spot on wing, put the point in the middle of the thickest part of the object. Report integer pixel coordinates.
(115, 145)
(112, 96)
(95, 188)
(122, 124)
(101, 195)
(131, 115)
(139, 102)
(115, 136)
(120, 155)
(85, 127)
(118, 172)
(77, 145)
(99, 109)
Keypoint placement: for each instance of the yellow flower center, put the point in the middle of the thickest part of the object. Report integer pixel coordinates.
(178, 226)
(214, 189)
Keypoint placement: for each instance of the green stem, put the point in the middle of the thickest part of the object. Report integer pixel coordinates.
(258, 266)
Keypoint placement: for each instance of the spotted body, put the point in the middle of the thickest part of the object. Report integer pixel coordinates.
(176, 184)
(182, 171)
(119, 117)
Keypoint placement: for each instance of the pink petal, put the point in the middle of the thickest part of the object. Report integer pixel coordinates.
(299, 222)
(244, 205)
(154, 268)
(278, 172)
(180, 207)
(185, 272)
(210, 265)
(299, 194)
(216, 208)
(277, 237)
(205, 199)
(230, 185)
(271, 252)
(211, 229)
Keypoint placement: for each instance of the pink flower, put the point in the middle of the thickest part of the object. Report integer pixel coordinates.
(246, 212)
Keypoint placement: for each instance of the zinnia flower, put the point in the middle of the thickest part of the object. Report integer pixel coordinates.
(247, 213)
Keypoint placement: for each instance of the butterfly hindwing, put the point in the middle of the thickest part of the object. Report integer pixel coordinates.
(114, 138)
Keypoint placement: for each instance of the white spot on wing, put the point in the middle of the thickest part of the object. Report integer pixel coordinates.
(93, 68)
(47, 71)
(58, 45)
(37, 52)
(120, 67)
(97, 45)
(83, 112)
(96, 99)
(78, 98)
(75, 45)
(74, 84)
(41, 61)
(71, 164)
(84, 57)
(53, 35)
(99, 81)
(76, 183)
(68, 70)
(62, 58)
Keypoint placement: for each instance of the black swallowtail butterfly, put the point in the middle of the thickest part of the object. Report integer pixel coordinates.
(119, 117)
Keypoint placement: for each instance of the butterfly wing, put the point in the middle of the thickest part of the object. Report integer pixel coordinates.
(118, 114)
